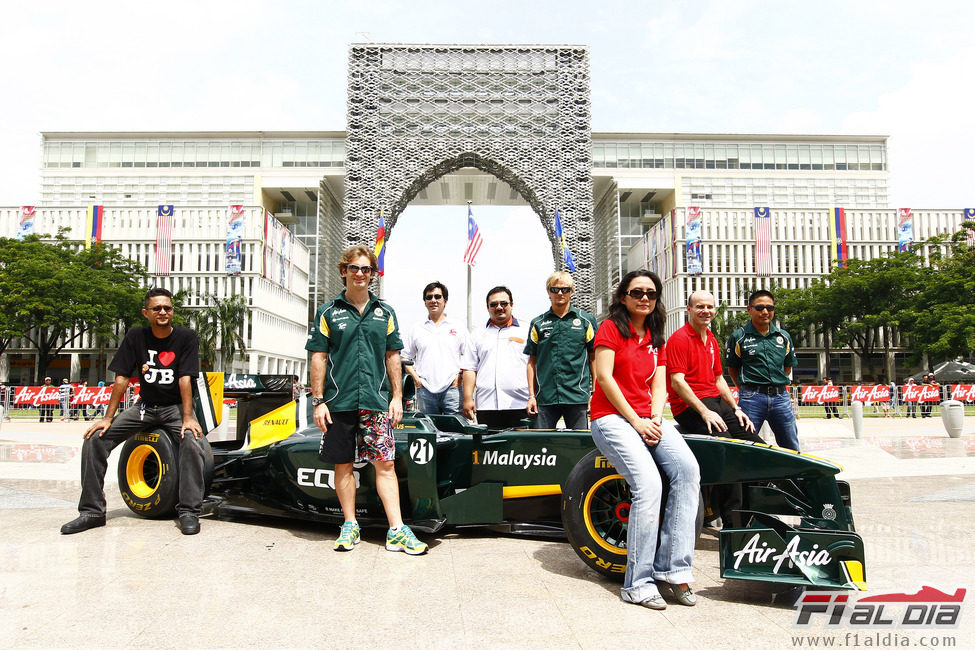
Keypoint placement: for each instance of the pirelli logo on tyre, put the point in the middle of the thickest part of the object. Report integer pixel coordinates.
(147, 437)
(601, 463)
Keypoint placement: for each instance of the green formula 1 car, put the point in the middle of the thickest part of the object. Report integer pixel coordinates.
(452, 474)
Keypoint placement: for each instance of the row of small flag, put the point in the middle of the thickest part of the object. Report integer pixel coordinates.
(839, 253)
(474, 242)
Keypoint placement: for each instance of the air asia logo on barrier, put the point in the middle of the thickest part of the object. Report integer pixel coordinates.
(926, 609)
(963, 392)
(921, 393)
(879, 393)
(820, 394)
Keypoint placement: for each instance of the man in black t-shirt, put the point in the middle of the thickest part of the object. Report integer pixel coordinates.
(165, 359)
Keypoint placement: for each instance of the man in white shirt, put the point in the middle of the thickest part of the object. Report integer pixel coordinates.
(495, 367)
(436, 346)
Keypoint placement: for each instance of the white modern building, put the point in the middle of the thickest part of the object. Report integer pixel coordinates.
(642, 185)
(276, 287)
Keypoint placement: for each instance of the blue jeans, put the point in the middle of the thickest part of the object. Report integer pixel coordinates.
(641, 466)
(776, 410)
(447, 402)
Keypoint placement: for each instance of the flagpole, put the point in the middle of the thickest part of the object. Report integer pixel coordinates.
(470, 323)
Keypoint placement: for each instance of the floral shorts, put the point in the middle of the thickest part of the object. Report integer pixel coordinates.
(358, 437)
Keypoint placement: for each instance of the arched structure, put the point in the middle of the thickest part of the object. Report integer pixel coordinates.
(520, 113)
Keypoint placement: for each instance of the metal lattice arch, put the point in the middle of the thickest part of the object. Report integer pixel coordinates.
(518, 112)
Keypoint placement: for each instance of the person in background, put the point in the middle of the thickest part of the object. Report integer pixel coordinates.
(628, 428)
(559, 353)
(911, 404)
(46, 410)
(65, 392)
(760, 358)
(495, 388)
(436, 347)
(831, 409)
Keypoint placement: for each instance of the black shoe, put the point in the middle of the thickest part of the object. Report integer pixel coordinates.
(189, 524)
(82, 523)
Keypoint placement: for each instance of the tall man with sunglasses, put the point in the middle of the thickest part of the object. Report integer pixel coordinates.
(495, 390)
(436, 346)
(760, 358)
(357, 396)
(165, 359)
(560, 353)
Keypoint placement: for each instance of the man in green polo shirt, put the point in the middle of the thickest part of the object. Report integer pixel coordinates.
(355, 343)
(760, 358)
(559, 350)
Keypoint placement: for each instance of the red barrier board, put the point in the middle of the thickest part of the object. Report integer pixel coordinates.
(963, 392)
(814, 394)
(920, 393)
(870, 393)
(35, 395)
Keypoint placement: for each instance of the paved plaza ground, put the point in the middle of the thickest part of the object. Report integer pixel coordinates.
(270, 583)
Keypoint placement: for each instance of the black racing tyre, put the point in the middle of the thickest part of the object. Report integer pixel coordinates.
(148, 473)
(595, 514)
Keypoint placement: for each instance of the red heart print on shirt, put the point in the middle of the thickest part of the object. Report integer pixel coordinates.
(166, 357)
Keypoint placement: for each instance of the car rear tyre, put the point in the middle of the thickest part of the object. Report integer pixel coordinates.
(148, 473)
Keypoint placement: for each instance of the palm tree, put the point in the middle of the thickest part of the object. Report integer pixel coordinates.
(220, 328)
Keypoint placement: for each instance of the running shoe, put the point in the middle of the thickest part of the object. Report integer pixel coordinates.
(348, 536)
(404, 540)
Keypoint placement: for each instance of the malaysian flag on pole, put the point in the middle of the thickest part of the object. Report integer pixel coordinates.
(763, 242)
(970, 218)
(474, 239)
(164, 239)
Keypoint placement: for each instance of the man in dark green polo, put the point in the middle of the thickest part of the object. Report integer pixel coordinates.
(559, 350)
(355, 344)
(760, 358)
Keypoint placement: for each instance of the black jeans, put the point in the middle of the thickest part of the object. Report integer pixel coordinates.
(96, 450)
(725, 499)
(573, 414)
(503, 419)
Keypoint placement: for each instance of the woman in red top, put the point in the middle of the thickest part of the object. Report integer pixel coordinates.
(629, 429)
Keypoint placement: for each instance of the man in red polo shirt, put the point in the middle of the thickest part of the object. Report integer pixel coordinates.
(700, 399)
(699, 396)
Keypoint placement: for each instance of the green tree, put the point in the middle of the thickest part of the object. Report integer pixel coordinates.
(220, 328)
(725, 322)
(54, 293)
(940, 317)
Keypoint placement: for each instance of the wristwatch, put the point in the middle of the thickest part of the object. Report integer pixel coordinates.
(315, 401)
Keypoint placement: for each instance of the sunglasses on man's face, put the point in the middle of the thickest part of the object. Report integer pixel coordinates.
(159, 308)
(763, 307)
(433, 296)
(503, 304)
(352, 269)
(560, 289)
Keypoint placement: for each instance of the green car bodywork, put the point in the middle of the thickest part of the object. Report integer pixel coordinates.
(799, 529)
